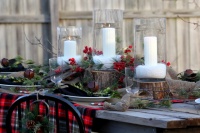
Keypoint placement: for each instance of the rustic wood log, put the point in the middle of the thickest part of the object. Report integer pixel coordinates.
(105, 78)
(158, 90)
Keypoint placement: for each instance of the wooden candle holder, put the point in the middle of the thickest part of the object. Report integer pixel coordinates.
(105, 78)
(158, 89)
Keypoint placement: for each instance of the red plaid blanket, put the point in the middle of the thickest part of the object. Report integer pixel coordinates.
(6, 100)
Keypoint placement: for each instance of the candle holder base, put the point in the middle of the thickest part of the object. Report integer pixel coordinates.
(157, 89)
(105, 78)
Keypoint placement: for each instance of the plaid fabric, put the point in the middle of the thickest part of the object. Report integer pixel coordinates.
(87, 113)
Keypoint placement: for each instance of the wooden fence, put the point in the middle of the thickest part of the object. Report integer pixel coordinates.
(28, 25)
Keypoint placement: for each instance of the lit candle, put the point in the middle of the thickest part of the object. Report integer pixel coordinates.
(150, 50)
(108, 40)
(70, 48)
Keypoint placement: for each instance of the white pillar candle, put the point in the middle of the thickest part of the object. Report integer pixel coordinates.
(150, 50)
(108, 40)
(70, 48)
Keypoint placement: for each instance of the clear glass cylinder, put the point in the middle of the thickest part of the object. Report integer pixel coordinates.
(107, 35)
(69, 39)
(149, 48)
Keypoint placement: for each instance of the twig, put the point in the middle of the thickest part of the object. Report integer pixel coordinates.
(195, 3)
(194, 23)
(48, 50)
(40, 44)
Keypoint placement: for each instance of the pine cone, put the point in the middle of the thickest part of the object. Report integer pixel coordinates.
(30, 124)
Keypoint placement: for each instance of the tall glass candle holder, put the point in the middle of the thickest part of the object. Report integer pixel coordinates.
(107, 29)
(69, 39)
(149, 49)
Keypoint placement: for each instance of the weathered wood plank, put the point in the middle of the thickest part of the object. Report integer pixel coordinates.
(128, 36)
(132, 14)
(187, 108)
(3, 41)
(4, 7)
(11, 33)
(186, 41)
(171, 41)
(144, 5)
(131, 5)
(20, 40)
(181, 115)
(182, 111)
(193, 45)
(157, 5)
(54, 23)
(75, 15)
(16, 6)
(31, 6)
(40, 34)
(191, 119)
(139, 118)
(24, 19)
(181, 37)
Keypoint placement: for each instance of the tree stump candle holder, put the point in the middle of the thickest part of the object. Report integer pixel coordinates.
(158, 89)
(105, 78)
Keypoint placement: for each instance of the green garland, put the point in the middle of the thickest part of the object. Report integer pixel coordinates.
(142, 104)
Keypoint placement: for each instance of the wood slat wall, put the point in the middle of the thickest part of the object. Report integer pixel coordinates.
(39, 18)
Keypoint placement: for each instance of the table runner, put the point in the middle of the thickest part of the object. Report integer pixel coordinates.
(6, 100)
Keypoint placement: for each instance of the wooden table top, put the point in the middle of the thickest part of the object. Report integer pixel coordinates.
(180, 115)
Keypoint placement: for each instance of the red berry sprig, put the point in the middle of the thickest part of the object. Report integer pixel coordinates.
(87, 50)
(119, 66)
(128, 50)
(72, 61)
(167, 63)
(75, 67)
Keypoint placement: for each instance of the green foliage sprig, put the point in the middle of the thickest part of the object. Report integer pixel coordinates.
(142, 104)
(32, 122)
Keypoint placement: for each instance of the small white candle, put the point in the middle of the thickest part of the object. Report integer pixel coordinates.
(70, 48)
(108, 40)
(150, 50)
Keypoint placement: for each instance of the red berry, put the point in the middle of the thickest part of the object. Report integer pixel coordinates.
(168, 64)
